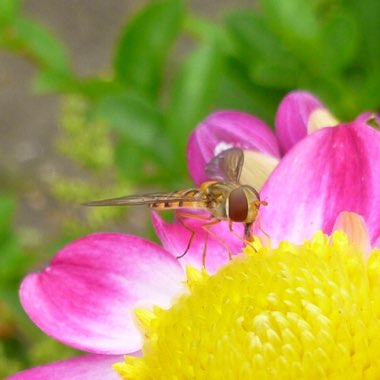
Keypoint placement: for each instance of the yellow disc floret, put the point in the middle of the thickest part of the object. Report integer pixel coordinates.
(295, 312)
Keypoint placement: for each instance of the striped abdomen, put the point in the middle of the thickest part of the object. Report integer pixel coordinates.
(190, 198)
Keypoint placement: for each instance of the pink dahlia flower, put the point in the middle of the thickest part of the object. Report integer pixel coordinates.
(307, 173)
(86, 297)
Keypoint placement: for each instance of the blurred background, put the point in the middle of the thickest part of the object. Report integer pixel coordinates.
(97, 99)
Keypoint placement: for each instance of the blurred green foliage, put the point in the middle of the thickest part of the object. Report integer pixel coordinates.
(13, 264)
(130, 127)
(88, 144)
(21, 345)
(151, 99)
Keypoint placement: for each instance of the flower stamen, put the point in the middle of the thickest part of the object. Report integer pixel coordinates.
(303, 312)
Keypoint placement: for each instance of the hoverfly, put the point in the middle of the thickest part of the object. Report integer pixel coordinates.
(223, 197)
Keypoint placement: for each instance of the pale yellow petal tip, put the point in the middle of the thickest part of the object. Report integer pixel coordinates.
(318, 241)
(339, 238)
(319, 237)
(195, 276)
(257, 168)
(356, 230)
(321, 118)
(119, 368)
(130, 368)
(145, 317)
(286, 246)
(374, 264)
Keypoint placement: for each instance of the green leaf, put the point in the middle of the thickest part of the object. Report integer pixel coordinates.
(295, 23)
(13, 262)
(369, 97)
(340, 41)
(251, 36)
(194, 89)
(135, 120)
(50, 81)
(292, 18)
(38, 43)
(7, 207)
(128, 159)
(367, 14)
(276, 74)
(238, 92)
(8, 10)
(268, 63)
(144, 46)
(96, 88)
(202, 29)
(92, 88)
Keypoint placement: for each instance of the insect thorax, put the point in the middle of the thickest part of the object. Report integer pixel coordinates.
(217, 195)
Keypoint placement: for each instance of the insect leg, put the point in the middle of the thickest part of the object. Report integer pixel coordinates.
(258, 219)
(248, 238)
(206, 227)
(190, 240)
(242, 239)
(204, 251)
(181, 215)
(247, 232)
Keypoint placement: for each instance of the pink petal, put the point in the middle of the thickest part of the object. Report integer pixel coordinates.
(86, 367)
(293, 116)
(87, 295)
(369, 118)
(332, 170)
(376, 243)
(175, 238)
(223, 130)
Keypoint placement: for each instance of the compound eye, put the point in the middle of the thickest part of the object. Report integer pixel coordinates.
(237, 205)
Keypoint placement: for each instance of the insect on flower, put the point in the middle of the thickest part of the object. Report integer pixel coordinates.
(224, 197)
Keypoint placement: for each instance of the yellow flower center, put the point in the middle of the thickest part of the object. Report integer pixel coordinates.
(295, 312)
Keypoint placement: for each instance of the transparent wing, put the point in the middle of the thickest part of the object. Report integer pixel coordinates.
(191, 195)
(227, 165)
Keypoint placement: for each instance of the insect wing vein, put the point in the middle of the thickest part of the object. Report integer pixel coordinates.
(148, 199)
(227, 165)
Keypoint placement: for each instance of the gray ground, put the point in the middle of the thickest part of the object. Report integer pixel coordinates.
(28, 122)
